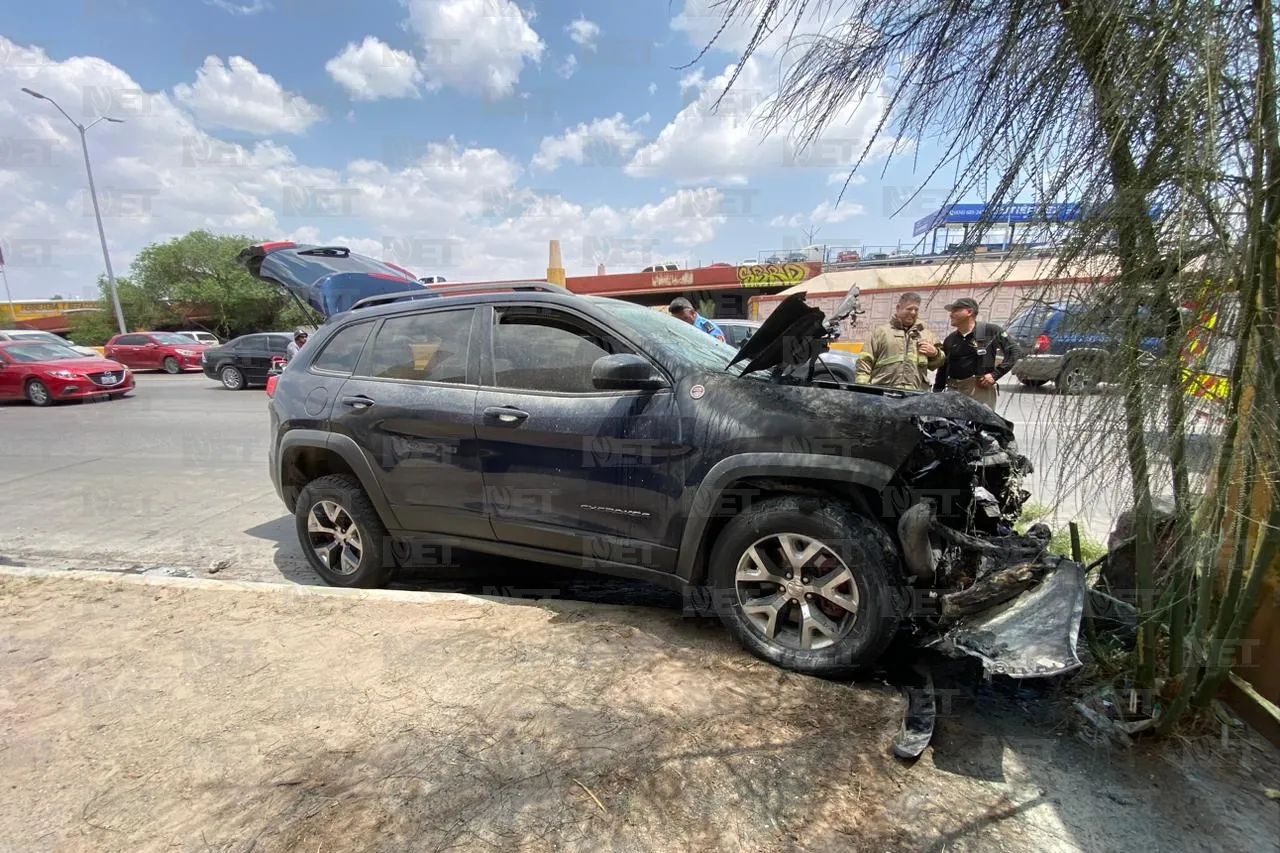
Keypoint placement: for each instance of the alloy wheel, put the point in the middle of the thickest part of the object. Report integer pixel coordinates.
(38, 393)
(231, 378)
(1076, 380)
(797, 592)
(334, 537)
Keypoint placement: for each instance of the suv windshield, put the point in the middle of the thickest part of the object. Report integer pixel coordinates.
(662, 331)
(28, 353)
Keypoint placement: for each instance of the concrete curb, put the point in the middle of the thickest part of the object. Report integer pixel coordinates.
(295, 590)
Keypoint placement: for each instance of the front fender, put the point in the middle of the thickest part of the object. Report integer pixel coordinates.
(809, 466)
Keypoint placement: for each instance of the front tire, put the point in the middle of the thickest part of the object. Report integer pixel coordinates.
(38, 394)
(341, 534)
(232, 378)
(841, 605)
(171, 365)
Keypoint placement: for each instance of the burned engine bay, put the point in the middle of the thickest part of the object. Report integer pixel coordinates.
(982, 589)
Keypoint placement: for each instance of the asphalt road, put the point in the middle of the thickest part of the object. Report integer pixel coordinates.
(176, 476)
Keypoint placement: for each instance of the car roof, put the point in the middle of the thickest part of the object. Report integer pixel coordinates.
(445, 297)
(7, 344)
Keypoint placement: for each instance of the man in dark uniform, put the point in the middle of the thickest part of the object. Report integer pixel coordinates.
(970, 366)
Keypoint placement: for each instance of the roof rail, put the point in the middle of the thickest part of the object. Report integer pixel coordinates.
(451, 289)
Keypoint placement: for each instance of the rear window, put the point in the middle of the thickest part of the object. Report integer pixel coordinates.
(342, 351)
(1030, 323)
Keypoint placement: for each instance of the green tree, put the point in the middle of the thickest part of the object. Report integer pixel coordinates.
(199, 271)
(92, 329)
(1120, 105)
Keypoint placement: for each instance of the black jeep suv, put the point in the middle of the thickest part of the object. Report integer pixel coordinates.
(519, 419)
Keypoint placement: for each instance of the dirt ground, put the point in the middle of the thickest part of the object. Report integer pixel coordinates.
(146, 714)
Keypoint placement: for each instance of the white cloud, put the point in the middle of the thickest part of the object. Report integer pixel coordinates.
(373, 69)
(584, 32)
(703, 20)
(474, 46)
(653, 87)
(237, 96)
(824, 214)
(238, 8)
(841, 177)
(603, 142)
(569, 67)
(732, 140)
(435, 207)
(728, 141)
(691, 216)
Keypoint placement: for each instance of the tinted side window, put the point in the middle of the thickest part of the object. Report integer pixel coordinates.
(542, 350)
(277, 345)
(133, 341)
(342, 351)
(250, 343)
(427, 347)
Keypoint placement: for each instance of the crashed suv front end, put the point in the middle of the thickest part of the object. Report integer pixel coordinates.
(981, 588)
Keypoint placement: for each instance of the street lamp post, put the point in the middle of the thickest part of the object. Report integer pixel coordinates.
(93, 194)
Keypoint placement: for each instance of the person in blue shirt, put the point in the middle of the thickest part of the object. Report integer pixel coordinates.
(683, 309)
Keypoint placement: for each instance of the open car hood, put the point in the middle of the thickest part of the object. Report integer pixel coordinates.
(329, 279)
(781, 336)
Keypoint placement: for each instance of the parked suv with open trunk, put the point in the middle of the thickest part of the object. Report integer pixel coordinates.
(519, 419)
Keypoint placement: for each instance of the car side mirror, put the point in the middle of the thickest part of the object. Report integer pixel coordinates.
(625, 372)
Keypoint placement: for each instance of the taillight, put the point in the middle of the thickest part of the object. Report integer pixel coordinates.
(271, 385)
(1042, 343)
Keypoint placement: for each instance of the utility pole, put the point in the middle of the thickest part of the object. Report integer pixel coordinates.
(93, 193)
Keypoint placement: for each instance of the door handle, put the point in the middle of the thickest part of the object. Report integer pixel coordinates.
(506, 414)
(359, 401)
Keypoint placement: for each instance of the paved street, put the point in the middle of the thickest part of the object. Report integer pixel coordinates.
(176, 476)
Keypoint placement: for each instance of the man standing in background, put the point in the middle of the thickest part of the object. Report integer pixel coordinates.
(299, 340)
(971, 349)
(901, 353)
(683, 308)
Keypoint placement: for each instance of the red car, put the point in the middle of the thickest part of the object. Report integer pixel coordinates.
(45, 373)
(165, 351)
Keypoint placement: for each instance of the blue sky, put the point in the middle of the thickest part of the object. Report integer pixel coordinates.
(453, 136)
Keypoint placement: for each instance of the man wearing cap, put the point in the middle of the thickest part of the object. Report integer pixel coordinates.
(299, 340)
(683, 309)
(901, 353)
(970, 350)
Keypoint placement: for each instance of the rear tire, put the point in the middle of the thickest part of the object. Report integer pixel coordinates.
(232, 378)
(848, 603)
(1077, 377)
(341, 534)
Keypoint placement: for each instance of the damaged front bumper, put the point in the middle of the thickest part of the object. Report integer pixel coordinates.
(1021, 614)
(991, 593)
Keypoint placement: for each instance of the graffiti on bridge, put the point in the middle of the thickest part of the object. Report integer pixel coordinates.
(762, 275)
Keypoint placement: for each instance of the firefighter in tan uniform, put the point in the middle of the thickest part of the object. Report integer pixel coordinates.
(901, 353)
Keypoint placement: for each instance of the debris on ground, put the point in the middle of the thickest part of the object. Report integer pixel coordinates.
(301, 719)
